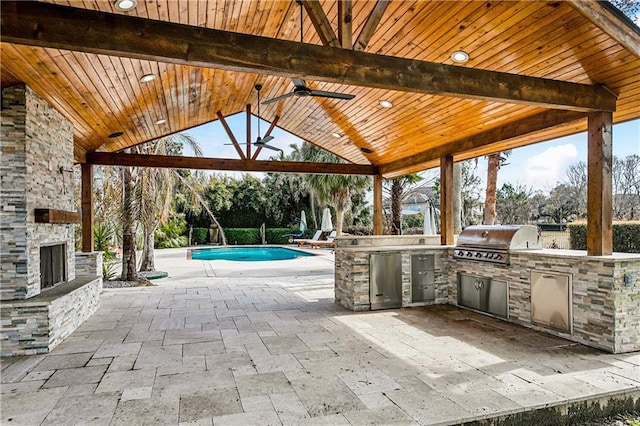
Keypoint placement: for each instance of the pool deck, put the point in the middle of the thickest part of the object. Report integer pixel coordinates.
(222, 342)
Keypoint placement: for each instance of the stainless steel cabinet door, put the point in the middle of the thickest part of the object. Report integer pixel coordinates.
(385, 280)
(551, 301)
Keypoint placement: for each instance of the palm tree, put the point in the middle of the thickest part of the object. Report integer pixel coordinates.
(334, 190)
(397, 189)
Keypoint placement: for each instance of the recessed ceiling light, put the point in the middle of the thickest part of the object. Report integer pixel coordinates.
(460, 56)
(161, 121)
(116, 134)
(125, 5)
(336, 135)
(147, 78)
(386, 104)
(366, 150)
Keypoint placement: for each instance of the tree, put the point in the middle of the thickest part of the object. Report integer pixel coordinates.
(334, 190)
(576, 185)
(155, 188)
(513, 204)
(469, 193)
(397, 188)
(128, 218)
(626, 187)
(631, 8)
(495, 161)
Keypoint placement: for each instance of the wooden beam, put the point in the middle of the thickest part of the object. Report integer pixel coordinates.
(345, 16)
(245, 165)
(55, 216)
(86, 204)
(534, 123)
(377, 205)
(599, 188)
(370, 26)
(233, 139)
(51, 25)
(268, 133)
(446, 200)
(321, 23)
(249, 131)
(611, 21)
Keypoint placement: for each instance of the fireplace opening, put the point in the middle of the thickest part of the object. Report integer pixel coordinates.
(53, 265)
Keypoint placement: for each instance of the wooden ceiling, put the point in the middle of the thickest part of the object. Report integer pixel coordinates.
(96, 83)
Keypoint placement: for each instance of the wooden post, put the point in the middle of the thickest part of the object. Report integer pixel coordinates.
(446, 200)
(599, 189)
(87, 207)
(377, 204)
(344, 24)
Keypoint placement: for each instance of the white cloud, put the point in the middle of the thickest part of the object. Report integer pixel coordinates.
(544, 170)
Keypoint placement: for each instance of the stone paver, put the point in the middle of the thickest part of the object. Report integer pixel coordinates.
(265, 344)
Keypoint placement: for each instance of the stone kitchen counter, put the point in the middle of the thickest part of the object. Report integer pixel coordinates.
(604, 291)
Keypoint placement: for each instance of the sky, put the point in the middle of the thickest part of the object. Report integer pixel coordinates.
(537, 167)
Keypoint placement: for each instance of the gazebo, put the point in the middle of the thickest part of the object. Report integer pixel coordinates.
(432, 82)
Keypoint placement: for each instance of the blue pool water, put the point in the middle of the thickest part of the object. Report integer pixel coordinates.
(247, 254)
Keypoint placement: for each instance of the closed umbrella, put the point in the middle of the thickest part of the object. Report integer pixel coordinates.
(303, 221)
(326, 226)
(429, 220)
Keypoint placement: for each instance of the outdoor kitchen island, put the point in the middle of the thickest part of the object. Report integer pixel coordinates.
(602, 306)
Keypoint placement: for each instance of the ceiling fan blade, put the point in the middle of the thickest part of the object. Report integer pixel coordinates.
(333, 95)
(278, 98)
(271, 147)
(298, 82)
(266, 139)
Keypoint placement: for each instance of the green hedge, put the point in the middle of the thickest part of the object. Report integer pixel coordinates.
(242, 236)
(199, 235)
(626, 237)
(275, 235)
(250, 236)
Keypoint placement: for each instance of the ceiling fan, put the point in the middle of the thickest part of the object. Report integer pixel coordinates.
(301, 89)
(260, 141)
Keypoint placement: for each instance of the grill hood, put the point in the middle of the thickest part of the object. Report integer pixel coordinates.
(500, 237)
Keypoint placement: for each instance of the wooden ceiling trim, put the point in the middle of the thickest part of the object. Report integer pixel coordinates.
(371, 24)
(602, 16)
(508, 131)
(201, 163)
(330, 63)
(321, 23)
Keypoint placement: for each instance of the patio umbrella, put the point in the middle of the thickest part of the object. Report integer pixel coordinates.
(303, 221)
(429, 220)
(326, 226)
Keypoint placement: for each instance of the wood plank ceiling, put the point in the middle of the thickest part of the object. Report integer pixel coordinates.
(549, 39)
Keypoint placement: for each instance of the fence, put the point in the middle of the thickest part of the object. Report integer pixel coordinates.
(555, 239)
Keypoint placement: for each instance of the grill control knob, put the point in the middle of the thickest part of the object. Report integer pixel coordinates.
(478, 254)
(469, 254)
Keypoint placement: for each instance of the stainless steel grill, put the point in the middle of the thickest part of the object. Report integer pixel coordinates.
(492, 243)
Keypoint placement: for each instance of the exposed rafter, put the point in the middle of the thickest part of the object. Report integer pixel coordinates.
(49, 25)
(531, 124)
(601, 14)
(321, 23)
(370, 26)
(345, 16)
(268, 133)
(232, 137)
(200, 163)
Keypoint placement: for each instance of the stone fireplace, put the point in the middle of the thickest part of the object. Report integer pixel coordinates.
(38, 274)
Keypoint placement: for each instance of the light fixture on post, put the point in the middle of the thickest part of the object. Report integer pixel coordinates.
(460, 56)
(125, 5)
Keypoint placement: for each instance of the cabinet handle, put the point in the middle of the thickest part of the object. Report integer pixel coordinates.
(552, 277)
(422, 272)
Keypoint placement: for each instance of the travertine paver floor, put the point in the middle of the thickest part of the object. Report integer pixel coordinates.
(219, 344)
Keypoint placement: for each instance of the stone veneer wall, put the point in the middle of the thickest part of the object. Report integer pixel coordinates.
(37, 325)
(352, 276)
(89, 263)
(606, 313)
(36, 142)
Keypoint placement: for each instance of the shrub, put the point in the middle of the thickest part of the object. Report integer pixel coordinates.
(357, 230)
(199, 235)
(171, 234)
(275, 235)
(626, 237)
(242, 235)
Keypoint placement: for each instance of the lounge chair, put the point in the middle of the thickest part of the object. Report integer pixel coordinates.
(303, 241)
(325, 243)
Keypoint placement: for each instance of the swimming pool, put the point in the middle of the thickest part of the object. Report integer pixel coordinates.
(247, 254)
